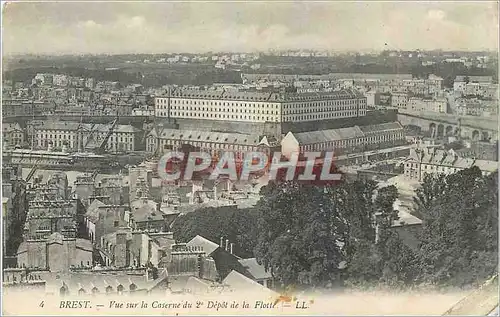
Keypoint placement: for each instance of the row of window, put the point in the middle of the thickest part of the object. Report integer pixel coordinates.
(73, 137)
(352, 142)
(207, 145)
(222, 116)
(224, 110)
(164, 101)
(329, 115)
(71, 144)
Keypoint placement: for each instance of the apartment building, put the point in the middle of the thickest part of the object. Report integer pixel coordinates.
(429, 105)
(479, 86)
(399, 100)
(476, 107)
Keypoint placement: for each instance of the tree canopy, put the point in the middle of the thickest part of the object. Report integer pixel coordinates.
(307, 234)
(229, 222)
(460, 227)
(321, 236)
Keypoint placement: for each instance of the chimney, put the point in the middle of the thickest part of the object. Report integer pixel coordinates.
(232, 245)
(227, 244)
(221, 242)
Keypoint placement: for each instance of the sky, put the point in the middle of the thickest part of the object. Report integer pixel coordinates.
(197, 27)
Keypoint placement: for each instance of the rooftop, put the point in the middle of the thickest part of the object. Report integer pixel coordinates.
(263, 96)
(320, 136)
(208, 246)
(208, 136)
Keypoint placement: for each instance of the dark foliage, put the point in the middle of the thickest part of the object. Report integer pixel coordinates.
(237, 225)
(460, 227)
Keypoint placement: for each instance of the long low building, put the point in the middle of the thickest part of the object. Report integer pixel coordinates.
(244, 106)
(162, 140)
(434, 161)
(346, 140)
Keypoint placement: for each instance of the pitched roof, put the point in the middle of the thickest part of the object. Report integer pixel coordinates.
(321, 136)
(239, 282)
(255, 269)
(11, 126)
(93, 210)
(209, 136)
(489, 166)
(208, 246)
(61, 125)
(450, 158)
(144, 210)
(122, 128)
(381, 127)
(253, 96)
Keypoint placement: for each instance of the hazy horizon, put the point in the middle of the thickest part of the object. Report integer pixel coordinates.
(75, 28)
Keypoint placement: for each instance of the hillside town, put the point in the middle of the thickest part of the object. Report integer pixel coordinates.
(81, 211)
(85, 209)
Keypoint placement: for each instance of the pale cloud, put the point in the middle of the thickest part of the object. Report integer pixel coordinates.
(134, 27)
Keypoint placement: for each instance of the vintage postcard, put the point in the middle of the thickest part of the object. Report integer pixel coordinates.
(250, 158)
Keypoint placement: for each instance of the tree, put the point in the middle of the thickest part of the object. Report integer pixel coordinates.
(300, 234)
(307, 231)
(401, 266)
(384, 204)
(389, 261)
(432, 187)
(236, 225)
(460, 227)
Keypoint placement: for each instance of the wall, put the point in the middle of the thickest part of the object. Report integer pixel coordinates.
(84, 189)
(289, 144)
(121, 250)
(58, 260)
(37, 254)
(107, 217)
